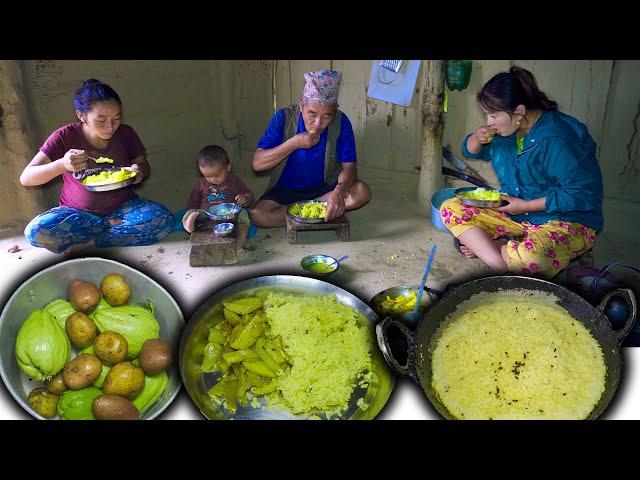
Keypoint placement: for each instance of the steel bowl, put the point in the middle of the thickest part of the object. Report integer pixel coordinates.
(224, 211)
(302, 219)
(223, 229)
(429, 298)
(50, 284)
(196, 333)
(332, 264)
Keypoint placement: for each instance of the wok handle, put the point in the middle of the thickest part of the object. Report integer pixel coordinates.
(407, 370)
(630, 299)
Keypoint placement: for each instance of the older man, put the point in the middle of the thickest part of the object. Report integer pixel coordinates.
(311, 153)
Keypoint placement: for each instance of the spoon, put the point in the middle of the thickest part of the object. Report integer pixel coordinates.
(416, 309)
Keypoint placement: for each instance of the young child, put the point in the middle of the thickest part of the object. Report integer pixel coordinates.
(218, 185)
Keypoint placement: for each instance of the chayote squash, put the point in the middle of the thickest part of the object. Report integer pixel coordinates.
(135, 323)
(42, 346)
(154, 385)
(61, 310)
(76, 404)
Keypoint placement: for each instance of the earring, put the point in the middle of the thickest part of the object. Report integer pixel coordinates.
(518, 122)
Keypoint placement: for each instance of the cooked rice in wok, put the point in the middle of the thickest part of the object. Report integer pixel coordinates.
(516, 355)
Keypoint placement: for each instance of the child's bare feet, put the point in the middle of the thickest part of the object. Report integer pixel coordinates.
(189, 223)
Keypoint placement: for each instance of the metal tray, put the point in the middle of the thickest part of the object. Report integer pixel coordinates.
(301, 219)
(195, 336)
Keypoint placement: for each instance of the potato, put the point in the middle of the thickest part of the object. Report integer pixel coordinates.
(55, 384)
(82, 371)
(114, 407)
(43, 402)
(155, 356)
(124, 379)
(83, 295)
(115, 289)
(80, 329)
(111, 347)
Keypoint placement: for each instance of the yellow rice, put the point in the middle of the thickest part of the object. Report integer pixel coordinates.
(516, 356)
(327, 347)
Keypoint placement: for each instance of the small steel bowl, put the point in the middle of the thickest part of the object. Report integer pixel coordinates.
(223, 229)
(429, 297)
(223, 211)
(52, 283)
(317, 264)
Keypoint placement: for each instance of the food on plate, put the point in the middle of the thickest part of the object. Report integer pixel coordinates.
(516, 355)
(80, 329)
(83, 295)
(82, 371)
(155, 356)
(309, 209)
(111, 347)
(482, 194)
(42, 347)
(300, 353)
(402, 303)
(107, 177)
(43, 401)
(124, 379)
(320, 267)
(114, 407)
(115, 289)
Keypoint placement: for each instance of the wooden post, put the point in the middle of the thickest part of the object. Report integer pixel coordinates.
(432, 128)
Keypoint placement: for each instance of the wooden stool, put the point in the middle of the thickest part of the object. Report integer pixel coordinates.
(339, 224)
(208, 249)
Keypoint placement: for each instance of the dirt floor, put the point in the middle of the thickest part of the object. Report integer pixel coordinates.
(390, 242)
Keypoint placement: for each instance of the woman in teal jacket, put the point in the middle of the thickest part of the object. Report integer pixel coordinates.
(546, 163)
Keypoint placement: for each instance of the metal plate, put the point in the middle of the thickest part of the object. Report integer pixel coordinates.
(195, 336)
(482, 203)
(106, 187)
(50, 284)
(305, 220)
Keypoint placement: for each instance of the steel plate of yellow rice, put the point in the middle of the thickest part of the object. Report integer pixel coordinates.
(516, 356)
(108, 177)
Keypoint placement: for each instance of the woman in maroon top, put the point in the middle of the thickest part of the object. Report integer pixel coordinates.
(85, 218)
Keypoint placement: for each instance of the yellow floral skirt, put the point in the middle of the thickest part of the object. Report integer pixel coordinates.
(534, 250)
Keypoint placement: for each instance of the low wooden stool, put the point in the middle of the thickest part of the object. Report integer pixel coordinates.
(339, 224)
(208, 249)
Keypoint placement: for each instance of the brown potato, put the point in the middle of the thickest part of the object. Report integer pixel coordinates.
(82, 371)
(114, 407)
(55, 384)
(83, 295)
(111, 347)
(124, 379)
(43, 402)
(80, 329)
(115, 289)
(155, 356)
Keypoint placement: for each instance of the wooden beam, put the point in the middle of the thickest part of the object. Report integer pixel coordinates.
(432, 128)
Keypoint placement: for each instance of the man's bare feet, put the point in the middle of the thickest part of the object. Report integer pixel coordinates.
(190, 222)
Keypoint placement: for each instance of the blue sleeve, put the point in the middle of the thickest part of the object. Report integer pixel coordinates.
(483, 154)
(274, 133)
(346, 144)
(577, 176)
